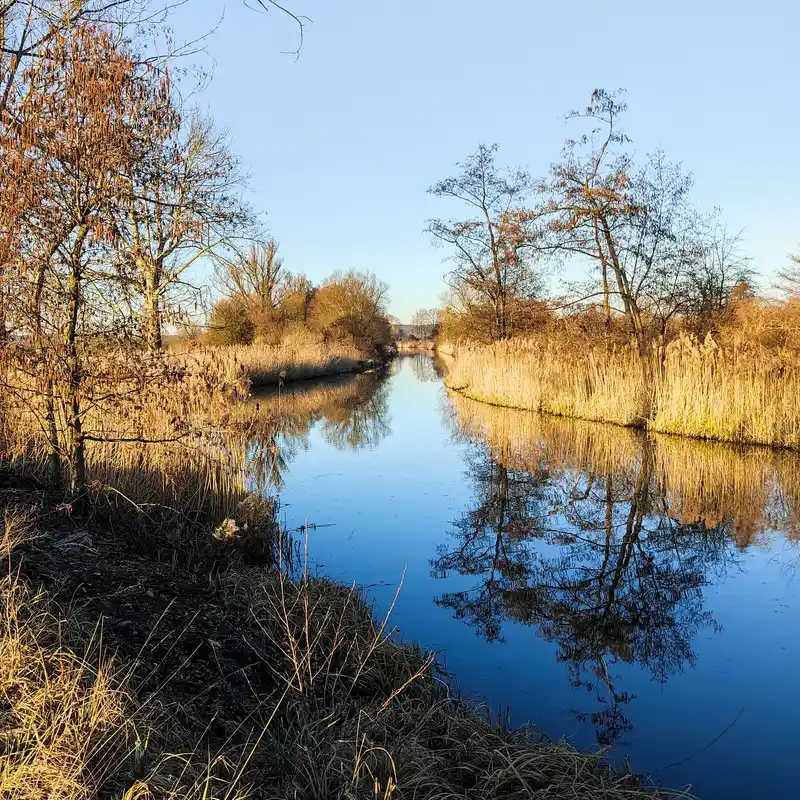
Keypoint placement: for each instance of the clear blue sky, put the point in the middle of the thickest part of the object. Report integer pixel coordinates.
(386, 95)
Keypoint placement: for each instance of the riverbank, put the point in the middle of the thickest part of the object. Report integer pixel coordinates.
(270, 365)
(416, 345)
(699, 390)
(120, 652)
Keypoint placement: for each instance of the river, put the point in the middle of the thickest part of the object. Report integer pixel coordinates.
(638, 593)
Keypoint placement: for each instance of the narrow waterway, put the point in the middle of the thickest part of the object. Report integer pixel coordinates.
(617, 590)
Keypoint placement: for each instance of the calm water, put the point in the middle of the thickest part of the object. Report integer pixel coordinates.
(615, 590)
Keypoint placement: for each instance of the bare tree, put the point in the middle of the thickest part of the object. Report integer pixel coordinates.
(493, 250)
(714, 277)
(353, 305)
(425, 322)
(589, 198)
(69, 181)
(789, 277)
(182, 206)
(297, 297)
(664, 260)
(257, 274)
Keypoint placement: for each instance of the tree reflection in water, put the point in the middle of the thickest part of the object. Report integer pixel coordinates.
(352, 411)
(575, 536)
(425, 367)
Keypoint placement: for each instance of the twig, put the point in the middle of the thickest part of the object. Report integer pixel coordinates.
(702, 750)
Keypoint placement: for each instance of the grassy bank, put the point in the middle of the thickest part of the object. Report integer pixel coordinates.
(698, 390)
(416, 345)
(269, 365)
(227, 680)
(164, 644)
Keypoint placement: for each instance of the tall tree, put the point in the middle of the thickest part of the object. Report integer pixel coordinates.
(425, 322)
(589, 198)
(64, 160)
(493, 250)
(256, 275)
(658, 258)
(352, 305)
(182, 206)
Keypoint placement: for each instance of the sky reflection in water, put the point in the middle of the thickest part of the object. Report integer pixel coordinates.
(616, 589)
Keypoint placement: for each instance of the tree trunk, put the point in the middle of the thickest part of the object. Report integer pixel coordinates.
(54, 456)
(77, 442)
(604, 272)
(152, 320)
(634, 318)
(151, 311)
(50, 424)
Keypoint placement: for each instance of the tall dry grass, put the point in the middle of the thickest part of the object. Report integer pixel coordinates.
(537, 375)
(298, 357)
(699, 389)
(348, 713)
(176, 437)
(64, 718)
(730, 394)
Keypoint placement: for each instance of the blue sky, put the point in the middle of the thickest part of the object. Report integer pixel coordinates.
(386, 96)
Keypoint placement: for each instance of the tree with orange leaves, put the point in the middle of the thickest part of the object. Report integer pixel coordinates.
(68, 145)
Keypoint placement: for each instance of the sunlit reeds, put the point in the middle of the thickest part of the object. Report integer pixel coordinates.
(175, 438)
(698, 389)
(64, 724)
(534, 375)
(290, 361)
(416, 345)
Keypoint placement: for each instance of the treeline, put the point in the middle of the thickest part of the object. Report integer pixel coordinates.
(653, 265)
(263, 302)
(662, 328)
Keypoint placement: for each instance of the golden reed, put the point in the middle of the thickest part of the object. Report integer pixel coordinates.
(747, 395)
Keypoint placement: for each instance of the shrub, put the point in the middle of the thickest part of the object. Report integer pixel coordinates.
(231, 323)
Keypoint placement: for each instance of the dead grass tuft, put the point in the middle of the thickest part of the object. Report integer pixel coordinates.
(64, 723)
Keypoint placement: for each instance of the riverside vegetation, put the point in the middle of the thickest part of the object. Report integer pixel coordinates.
(160, 636)
(149, 652)
(695, 388)
(663, 329)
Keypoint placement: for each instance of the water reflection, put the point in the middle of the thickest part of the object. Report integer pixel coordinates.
(352, 412)
(652, 575)
(604, 540)
(425, 367)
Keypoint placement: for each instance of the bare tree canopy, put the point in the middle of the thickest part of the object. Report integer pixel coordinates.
(182, 206)
(256, 274)
(425, 322)
(657, 257)
(493, 250)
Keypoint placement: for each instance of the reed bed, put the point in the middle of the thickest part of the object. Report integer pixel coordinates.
(416, 345)
(293, 360)
(532, 375)
(698, 389)
(735, 395)
(175, 436)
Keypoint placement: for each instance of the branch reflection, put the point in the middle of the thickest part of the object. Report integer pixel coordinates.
(604, 541)
(352, 412)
